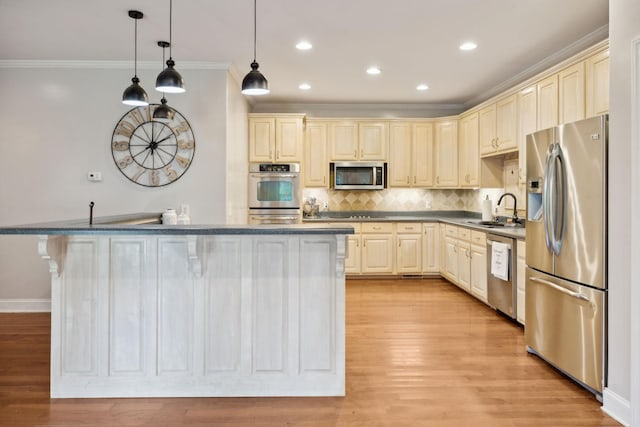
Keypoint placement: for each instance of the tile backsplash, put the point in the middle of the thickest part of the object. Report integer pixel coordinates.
(402, 199)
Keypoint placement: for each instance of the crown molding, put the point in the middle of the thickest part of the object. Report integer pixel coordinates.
(146, 65)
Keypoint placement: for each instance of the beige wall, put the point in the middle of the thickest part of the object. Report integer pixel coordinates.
(57, 124)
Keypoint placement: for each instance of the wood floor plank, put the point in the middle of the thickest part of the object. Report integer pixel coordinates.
(419, 352)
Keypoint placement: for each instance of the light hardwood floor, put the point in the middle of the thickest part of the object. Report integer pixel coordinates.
(419, 353)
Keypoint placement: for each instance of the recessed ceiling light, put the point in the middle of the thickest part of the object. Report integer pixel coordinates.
(304, 86)
(304, 45)
(422, 86)
(373, 70)
(468, 46)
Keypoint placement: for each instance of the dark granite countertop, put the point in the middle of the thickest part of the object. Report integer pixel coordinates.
(459, 218)
(150, 223)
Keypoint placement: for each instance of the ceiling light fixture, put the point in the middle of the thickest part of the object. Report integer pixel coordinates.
(163, 112)
(304, 86)
(422, 86)
(468, 46)
(373, 71)
(254, 83)
(169, 80)
(304, 45)
(135, 94)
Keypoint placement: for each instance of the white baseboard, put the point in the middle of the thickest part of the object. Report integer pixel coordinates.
(36, 305)
(616, 407)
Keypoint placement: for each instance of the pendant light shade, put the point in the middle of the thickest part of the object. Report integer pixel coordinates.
(135, 94)
(162, 112)
(254, 83)
(170, 80)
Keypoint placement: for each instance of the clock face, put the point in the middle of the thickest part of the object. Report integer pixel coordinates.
(150, 152)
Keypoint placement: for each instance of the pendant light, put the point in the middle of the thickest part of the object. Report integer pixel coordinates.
(135, 94)
(169, 80)
(163, 113)
(254, 83)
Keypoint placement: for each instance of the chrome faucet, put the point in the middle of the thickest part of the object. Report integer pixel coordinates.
(515, 206)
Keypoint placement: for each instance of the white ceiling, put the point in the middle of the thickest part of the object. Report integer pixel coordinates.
(412, 41)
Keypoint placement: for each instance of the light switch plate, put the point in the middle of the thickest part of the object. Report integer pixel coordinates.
(94, 176)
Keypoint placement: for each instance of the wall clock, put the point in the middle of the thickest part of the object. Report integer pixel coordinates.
(150, 152)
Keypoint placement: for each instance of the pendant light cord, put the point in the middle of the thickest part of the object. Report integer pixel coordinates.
(255, 25)
(135, 48)
(170, 26)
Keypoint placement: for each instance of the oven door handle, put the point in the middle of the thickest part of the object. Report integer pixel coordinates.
(274, 217)
(274, 175)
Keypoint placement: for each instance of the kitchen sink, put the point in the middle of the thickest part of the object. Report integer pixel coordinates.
(488, 224)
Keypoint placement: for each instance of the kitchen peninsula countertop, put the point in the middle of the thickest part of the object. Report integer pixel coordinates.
(150, 223)
(459, 218)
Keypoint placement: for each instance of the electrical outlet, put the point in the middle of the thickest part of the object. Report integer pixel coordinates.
(427, 204)
(325, 205)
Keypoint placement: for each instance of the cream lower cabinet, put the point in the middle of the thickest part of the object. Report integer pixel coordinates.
(431, 247)
(409, 248)
(479, 265)
(464, 259)
(521, 266)
(354, 242)
(377, 248)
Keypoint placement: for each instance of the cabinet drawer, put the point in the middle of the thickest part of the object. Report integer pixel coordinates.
(464, 234)
(478, 238)
(405, 227)
(377, 227)
(451, 230)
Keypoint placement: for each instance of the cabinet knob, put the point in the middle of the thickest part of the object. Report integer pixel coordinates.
(408, 179)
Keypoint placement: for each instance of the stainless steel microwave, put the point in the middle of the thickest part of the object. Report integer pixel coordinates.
(358, 176)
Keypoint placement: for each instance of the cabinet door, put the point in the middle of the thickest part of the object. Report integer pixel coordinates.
(464, 265)
(262, 137)
(527, 113)
(571, 93)
(316, 162)
(547, 102)
(409, 253)
(468, 152)
(447, 154)
(487, 129)
(373, 139)
(597, 90)
(506, 123)
(521, 267)
(442, 250)
(343, 140)
(377, 253)
(451, 259)
(479, 272)
(422, 155)
(430, 248)
(352, 261)
(400, 147)
(288, 139)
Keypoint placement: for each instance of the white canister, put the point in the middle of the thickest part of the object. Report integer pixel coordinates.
(170, 217)
(183, 217)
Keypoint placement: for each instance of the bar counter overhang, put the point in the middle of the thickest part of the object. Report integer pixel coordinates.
(140, 309)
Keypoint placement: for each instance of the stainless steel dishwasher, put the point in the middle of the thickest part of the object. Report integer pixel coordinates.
(501, 294)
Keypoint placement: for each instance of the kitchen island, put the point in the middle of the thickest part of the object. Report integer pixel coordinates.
(141, 309)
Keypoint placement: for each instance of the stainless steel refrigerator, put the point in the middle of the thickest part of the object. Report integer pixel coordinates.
(566, 240)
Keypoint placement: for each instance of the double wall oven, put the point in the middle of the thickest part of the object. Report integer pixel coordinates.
(274, 193)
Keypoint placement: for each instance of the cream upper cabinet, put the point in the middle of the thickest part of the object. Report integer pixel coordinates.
(468, 152)
(275, 138)
(597, 85)
(409, 248)
(316, 159)
(571, 93)
(446, 149)
(527, 123)
(547, 91)
(343, 140)
(497, 124)
(410, 154)
(431, 248)
(400, 173)
(373, 140)
(356, 140)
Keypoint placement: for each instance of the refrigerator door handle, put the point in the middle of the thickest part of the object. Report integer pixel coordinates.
(561, 186)
(561, 289)
(546, 191)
